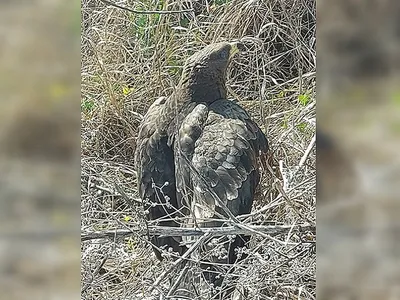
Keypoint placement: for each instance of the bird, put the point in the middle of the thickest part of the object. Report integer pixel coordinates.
(207, 148)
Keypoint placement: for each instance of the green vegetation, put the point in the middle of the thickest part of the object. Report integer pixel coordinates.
(302, 127)
(130, 243)
(87, 105)
(126, 90)
(284, 123)
(304, 99)
(221, 2)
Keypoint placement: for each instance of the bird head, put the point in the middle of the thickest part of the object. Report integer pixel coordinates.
(214, 57)
(204, 73)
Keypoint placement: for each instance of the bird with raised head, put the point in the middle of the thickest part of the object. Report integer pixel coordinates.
(197, 157)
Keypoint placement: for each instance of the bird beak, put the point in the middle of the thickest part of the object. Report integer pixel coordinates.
(236, 47)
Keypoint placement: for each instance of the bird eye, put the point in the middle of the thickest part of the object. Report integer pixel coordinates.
(224, 54)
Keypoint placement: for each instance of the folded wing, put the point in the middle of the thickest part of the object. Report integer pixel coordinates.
(154, 162)
(218, 147)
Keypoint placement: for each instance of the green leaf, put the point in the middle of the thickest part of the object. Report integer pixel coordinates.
(302, 127)
(304, 99)
(141, 21)
(130, 243)
(127, 218)
(284, 123)
(126, 90)
(87, 105)
(156, 18)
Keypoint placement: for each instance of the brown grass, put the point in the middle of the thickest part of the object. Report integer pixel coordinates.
(129, 60)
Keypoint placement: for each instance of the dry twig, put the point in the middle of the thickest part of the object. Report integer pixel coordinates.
(212, 231)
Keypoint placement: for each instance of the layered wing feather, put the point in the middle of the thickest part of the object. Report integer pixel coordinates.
(154, 161)
(219, 146)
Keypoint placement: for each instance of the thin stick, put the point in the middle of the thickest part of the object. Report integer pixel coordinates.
(212, 231)
(178, 281)
(308, 150)
(178, 261)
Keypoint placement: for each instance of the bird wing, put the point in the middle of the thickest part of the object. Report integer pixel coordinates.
(153, 158)
(184, 141)
(232, 110)
(154, 162)
(219, 146)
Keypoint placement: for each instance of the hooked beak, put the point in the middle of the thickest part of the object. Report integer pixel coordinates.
(236, 47)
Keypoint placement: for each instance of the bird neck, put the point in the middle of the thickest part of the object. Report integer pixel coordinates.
(207, 93)
(203, 88)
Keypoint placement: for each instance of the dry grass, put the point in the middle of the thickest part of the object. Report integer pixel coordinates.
(129, 60)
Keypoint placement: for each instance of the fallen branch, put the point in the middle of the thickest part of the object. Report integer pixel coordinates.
(212, 231)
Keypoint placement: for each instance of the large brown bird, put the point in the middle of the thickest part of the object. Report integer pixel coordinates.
(197, 153)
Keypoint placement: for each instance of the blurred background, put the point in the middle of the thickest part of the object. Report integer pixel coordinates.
(358, 166)
(358, 110)
(39, 149)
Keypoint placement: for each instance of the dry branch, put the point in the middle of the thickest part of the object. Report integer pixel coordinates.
(213, 231)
